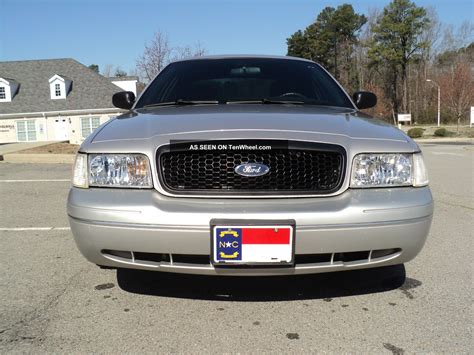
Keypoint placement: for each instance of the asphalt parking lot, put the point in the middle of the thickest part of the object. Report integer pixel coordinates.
(52, 300)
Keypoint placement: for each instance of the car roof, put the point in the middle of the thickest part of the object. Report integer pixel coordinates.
(240, 56)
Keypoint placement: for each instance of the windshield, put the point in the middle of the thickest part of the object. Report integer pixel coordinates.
(244, 80)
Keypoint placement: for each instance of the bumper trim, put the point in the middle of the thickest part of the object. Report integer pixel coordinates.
(140, 225)
(173, 266)
(207, 228)
(385, 210)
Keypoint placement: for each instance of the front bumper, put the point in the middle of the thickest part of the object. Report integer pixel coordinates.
(145, 221)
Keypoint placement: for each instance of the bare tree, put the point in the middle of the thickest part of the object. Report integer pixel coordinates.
(432, 35)
(199, 50)
(457, 87)
(418, 90)
(108, 70)
(133, 72)
(155, 57)
(159, 53)
(361, 48)
(457, 37)
(188, 51)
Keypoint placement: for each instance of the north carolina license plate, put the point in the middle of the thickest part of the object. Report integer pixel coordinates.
(252, 244)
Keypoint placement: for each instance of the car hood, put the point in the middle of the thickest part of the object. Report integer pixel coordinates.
(178, 122)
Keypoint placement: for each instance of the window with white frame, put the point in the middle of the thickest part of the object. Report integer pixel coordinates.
(88, 125)
(3, 93)
(57, 89)
(26, 130)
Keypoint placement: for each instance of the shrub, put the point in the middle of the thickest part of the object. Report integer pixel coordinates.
(415, 132)
(441, 132)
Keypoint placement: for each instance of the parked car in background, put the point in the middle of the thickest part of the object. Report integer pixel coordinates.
(248, 165)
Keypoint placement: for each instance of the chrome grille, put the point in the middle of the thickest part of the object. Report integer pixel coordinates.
(299, 168)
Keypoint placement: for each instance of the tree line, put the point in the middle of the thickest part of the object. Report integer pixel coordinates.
(393, 52)
(401, 52)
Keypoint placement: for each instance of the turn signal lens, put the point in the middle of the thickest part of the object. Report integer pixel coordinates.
(79, 174)
(420, 174)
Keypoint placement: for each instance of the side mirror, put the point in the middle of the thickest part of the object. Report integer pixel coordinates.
(364, 99)
(124, 99)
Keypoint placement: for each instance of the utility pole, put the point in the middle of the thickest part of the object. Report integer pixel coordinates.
(335, 55)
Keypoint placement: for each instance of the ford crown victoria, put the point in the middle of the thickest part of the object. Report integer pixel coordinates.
(246, 165)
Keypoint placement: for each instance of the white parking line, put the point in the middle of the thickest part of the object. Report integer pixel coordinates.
(36, 229)
(38, 180)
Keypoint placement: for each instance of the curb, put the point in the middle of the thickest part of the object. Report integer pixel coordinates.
(445, 140)
(38, 158)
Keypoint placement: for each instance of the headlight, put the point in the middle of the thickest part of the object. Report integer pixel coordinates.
(387, 170)
(119, 170)
(79, 172)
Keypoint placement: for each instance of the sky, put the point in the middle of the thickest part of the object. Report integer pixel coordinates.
(114, 32)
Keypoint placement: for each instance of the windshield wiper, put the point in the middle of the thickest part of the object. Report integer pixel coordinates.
(267, 101)
(182, 102)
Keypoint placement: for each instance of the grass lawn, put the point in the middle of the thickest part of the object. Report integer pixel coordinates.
(464, 131)
(54, 148)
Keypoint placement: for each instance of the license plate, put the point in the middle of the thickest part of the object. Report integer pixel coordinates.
(263, 244)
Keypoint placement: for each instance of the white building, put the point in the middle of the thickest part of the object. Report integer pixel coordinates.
(126, 83)
(56, 99)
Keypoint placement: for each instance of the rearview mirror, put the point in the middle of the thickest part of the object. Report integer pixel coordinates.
(124, 99)
(364, 99)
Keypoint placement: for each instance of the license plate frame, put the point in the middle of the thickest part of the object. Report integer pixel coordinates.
(248, 224)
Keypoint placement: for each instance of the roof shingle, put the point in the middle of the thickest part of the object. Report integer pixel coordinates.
(89, 89)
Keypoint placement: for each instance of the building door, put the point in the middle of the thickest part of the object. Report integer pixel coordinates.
(60, 129)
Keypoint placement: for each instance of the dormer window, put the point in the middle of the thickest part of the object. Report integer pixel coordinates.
(57, 90)
(59, 87)
(8, 89)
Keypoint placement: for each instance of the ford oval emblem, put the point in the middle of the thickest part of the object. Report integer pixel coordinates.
(251, 169)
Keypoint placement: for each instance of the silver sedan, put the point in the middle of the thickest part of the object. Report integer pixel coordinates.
(248, 165)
